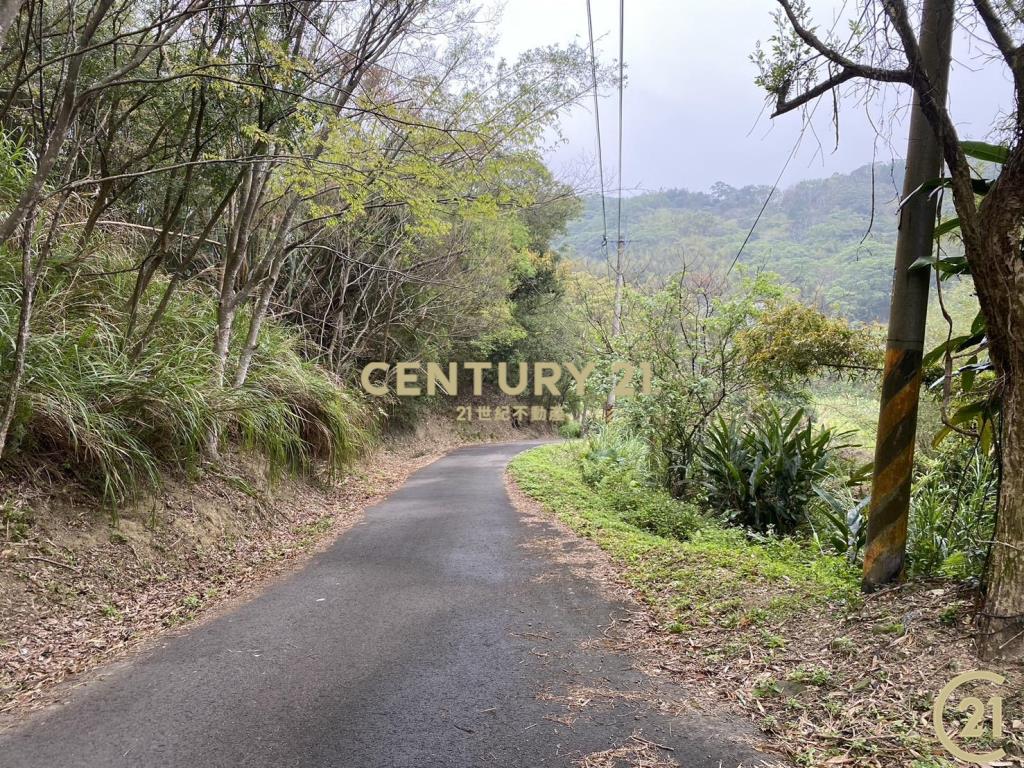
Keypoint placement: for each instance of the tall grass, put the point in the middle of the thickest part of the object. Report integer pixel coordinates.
(295, 412)
(114, 422)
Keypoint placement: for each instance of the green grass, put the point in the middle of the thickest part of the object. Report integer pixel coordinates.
(717, 578)
(847, 406)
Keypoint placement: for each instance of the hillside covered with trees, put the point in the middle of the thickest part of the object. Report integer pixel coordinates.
(212, 215)
(831, 238)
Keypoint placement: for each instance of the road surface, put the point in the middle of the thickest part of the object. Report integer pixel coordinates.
(431, 634)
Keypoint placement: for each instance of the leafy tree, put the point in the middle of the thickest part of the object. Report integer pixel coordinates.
(718, 347)
(361, 177)
(792, 340)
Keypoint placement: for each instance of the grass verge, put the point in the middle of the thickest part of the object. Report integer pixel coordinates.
(717, 578)
(782, 633)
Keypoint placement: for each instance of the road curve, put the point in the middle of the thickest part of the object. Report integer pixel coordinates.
(431, 634)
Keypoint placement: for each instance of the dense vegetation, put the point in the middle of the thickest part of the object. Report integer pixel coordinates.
(770, 622)
(796, 67)
(212, 215)
(743, 425)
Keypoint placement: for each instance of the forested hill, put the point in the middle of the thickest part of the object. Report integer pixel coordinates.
(812, 233)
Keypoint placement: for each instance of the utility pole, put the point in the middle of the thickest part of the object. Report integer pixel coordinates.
(620, 246)
(901, 381)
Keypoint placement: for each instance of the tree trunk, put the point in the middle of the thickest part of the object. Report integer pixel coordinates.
(259, 313)
(993, 251)
(29, 278)
(221, 345)
(1001, 624)
(225, 321)
(9, 10)
(139, 346)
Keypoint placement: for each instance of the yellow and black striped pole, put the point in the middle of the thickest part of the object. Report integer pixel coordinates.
(901, 383)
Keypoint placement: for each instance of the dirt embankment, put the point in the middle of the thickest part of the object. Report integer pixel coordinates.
(80, 584)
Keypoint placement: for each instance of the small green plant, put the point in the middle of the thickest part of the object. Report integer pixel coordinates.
(773, 641)
(841, 522)
(833, 707)
(816, 676)
(611, 450)
(843, 646)
(889, 628)
(952, 512)
(948, 615)
(766, 688)
(809, 757)
(15, 519)
(315, 530)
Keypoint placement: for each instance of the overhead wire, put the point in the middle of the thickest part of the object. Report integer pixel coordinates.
(597, 121)
(771, 193)
(792, 154)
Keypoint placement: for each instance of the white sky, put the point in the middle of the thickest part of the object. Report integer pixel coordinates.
(691, 107)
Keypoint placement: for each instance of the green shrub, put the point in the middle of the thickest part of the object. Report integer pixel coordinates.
(761, 473)
(647, 507)
(611, 449)
(571, 430)
(839, 521)
(616, 465)
(308, 415)
(952, 512)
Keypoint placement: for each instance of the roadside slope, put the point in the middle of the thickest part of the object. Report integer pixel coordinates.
(81, 583)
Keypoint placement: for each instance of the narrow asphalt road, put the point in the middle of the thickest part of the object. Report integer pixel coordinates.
(431, 634)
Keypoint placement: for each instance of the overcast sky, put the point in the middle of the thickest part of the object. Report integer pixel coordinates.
(691, 107)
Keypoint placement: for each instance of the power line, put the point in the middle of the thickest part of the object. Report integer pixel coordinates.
(597, 120)
(771, 192)
(792, 154)
(622, 35)
(620, 244)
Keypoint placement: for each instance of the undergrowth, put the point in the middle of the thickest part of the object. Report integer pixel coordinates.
(114, 421)
(779, 628)
(717, 576)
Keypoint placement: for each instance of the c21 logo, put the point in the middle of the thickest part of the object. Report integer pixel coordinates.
(976, 711)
